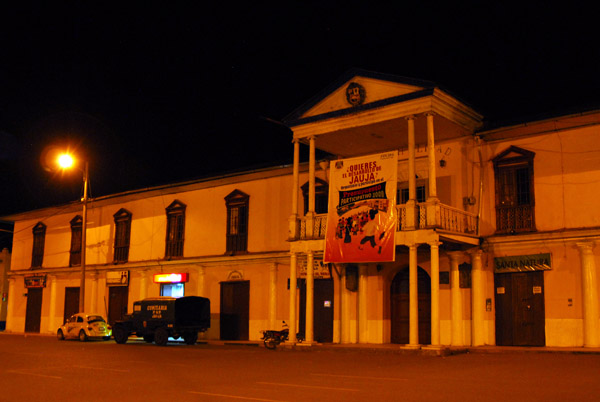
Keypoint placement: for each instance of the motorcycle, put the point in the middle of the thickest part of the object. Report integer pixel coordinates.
(272, 338)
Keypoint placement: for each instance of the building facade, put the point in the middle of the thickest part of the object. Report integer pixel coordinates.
(495, 238)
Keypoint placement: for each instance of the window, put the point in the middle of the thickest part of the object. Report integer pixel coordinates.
(321, 196)
(39, 239)
(175, 230)
(122, 235)
(75, 256)
(513, 171)
(237, 222)
(402, 195)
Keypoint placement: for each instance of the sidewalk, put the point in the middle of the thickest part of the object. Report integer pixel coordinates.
(425, 350)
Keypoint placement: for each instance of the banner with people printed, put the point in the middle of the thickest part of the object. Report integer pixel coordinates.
(361, 222)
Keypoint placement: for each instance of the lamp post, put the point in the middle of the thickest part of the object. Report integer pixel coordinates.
(66, 161)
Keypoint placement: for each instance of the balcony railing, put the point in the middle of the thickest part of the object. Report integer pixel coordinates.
(446, 218)
(319, 225)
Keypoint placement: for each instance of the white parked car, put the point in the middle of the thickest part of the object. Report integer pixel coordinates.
(85, 326)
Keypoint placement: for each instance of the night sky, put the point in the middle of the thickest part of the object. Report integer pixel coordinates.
(153, 93)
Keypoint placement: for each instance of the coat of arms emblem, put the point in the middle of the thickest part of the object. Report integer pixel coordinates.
(355, 94)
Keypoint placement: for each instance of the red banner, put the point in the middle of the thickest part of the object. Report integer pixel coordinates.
(361, 221)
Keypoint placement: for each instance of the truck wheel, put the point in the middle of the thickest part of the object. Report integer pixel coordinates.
(161, 336)
(190, 338)
(120, 335)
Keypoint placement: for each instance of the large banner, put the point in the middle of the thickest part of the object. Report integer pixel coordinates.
(361, 222)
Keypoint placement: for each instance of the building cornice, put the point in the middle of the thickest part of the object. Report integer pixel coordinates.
(499, 244)
(205, 261)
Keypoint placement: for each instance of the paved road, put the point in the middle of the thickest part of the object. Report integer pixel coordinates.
(37, 368)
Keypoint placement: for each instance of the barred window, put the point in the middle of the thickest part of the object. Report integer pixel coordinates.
(75, 252)
(237, 222)
(175, 230)
(122, 235)
(39, 239)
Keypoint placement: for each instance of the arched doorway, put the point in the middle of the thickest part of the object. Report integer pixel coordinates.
(400, 304)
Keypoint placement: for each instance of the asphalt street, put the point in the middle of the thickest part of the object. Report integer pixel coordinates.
(41, 368)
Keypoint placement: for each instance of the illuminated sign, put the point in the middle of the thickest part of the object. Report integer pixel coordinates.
(170, 278)
(35, 281)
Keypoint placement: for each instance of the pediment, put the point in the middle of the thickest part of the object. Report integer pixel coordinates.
(512, 154)
(357, 89)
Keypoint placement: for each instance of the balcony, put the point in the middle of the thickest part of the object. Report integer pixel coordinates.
(441, 216)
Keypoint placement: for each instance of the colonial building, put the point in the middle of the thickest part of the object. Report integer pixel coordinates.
(494, 242)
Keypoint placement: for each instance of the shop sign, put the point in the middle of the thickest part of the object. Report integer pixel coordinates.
(171, 278)
(35, 281)
(117, 278)
(320, 270)
(523, 263)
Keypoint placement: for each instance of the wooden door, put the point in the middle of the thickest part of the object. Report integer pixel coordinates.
(33, 314)
(520, 311)
(323, 310)
(71, 302)
(117, 303)
(399, 295)
(235, 310)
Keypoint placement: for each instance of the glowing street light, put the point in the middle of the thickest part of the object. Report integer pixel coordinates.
(67, 161)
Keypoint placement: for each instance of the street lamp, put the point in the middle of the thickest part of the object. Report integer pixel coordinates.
(66, 161)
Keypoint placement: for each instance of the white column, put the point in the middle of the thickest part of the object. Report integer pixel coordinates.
(413, 296)
(10, 308)
(589, 287)
(143, 284)
(310, 215)
(310, 297)
(273, 295)
(337, 303)
(293, 293)
(435, 292)
(477, 299)
(293, 220)
(412, 182)
(412, 216)
(363, 331)
(200, 288)
(431, 157)
(456, 297)
(201, 285)
(311, 176)
(52, 313)
(94, 301)
(345, 316)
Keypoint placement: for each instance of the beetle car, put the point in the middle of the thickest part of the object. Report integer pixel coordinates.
(85, 326)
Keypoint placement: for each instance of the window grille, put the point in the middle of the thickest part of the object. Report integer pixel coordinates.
(39, 239)
(122, 235)
(237, 222)
(75, 252)
(175, 230)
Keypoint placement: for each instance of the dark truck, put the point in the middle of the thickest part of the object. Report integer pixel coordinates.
(158, 318)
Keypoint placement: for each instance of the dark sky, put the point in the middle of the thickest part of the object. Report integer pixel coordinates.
(154, 92)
